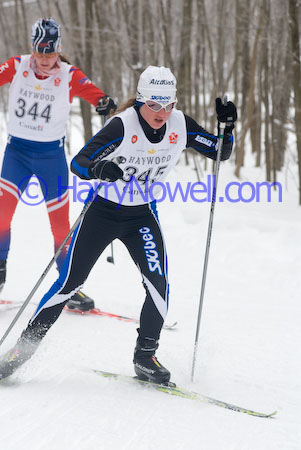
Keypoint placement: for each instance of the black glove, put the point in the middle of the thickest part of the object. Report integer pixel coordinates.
(105, 105)
(105, 170)
(226, 113)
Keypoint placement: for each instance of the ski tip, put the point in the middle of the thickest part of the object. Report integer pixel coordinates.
(257, 414)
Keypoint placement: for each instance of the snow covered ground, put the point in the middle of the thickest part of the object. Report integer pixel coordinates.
(249, 346)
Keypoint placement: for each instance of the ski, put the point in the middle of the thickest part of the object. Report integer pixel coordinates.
(9, 304)
(172, 389)
(99, 312)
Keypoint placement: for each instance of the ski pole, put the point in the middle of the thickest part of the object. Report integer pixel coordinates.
(216, 171)
(58, 252)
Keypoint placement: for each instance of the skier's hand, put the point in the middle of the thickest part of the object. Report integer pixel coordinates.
(105, 105)
(226, 113)
(105, 170)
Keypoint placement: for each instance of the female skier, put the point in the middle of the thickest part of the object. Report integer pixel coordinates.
(42, 88)
(146, 140)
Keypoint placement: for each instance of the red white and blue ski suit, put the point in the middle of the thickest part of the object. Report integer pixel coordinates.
(38, 111)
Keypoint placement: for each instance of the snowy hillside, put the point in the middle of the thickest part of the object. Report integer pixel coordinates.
(249, 340)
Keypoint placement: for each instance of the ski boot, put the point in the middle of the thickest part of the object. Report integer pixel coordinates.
(16, 356)
(146, 365)
(81, 302)
(2, 273)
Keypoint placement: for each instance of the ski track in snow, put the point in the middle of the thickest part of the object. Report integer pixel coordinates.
(248, 348)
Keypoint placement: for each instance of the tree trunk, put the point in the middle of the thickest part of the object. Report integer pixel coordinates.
(295, 36)
(88, 53)
(80, 55)
(251, 99)
(184, 73)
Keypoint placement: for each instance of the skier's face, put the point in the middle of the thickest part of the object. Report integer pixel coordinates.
(45, 61)
(155, 119)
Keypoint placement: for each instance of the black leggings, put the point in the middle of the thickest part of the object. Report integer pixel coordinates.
(138, 228)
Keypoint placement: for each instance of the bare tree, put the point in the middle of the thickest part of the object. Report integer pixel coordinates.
(295, 39)
(250, 106)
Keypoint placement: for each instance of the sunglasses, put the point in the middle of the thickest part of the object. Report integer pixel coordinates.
(156, 107)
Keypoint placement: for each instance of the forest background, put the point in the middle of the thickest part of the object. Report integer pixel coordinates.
(249, 49)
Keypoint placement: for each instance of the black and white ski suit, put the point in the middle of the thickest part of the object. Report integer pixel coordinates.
(125, 210)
